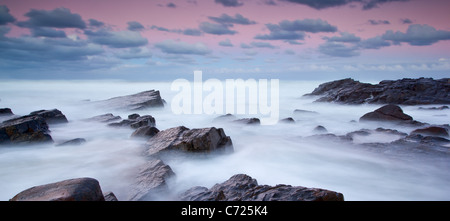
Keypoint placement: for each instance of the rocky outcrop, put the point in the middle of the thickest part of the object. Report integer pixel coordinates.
(25, 130)
(139, 101)
(242, 187)
(104, 118)
(135, 122)
(80, 189)
(145, 131)
(189, 140)
(53, 116)
(390, 113)
(405, 91)
(151, 181)
(5, 112)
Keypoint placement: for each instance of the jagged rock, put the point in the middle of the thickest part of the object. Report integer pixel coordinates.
(53, 116)
(5, 112)
(139, 101)
(432, 131)
(190, 140)
(405, 91)
(242, 187)
(76, 141)
(145, 131)
(24, 130)
(135, 123)
(104, 118)
(151, 181)
(109, 196)
(248, 121)
(133, 116)
(79, 189)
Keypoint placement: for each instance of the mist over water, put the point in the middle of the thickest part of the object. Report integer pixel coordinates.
(272, 154)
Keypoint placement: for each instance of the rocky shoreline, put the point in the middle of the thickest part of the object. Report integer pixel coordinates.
(153, 177)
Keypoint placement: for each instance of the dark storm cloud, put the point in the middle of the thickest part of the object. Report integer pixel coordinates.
(417, 35)
(5, 16)
(227, 19)
(229, 3)
(56, 18)
(322, 4)
(135, 26)
(216, 29)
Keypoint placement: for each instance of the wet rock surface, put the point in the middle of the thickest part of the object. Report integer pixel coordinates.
(25, 130)
(139, 101)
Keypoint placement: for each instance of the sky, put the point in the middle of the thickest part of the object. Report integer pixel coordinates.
(279, 39)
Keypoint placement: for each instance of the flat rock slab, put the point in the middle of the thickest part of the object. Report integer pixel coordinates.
(139, 101)
(79, 189)
(241, 187)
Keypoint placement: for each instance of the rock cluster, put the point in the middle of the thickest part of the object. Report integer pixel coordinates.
(404, 91)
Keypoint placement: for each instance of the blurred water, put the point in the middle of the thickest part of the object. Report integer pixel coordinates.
(272, 154)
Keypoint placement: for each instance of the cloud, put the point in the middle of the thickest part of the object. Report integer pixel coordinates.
(379, 22)
(229, 3)
(262, 45)
(171, 5)
(374, 43)
(134, 53)
(216, 29)
(47, 32)
(180, 47)
(335, 49)
(135, 26)
(323, 4)
(417, 35)
(307, 25)
(116, 39)
(187, 31)
(56, 18)
(406, 21)
(345, 37)
(237, 19)
(5, 16)
(226, 43)
(95, 23)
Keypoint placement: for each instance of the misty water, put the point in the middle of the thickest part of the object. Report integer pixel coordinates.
(272, 154)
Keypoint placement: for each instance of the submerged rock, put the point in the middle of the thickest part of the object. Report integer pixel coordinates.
(432, 131)
(404, 91)
(242, 187)
(5, 112)
(25, 130)
(189, 140)
(248, 121)
(139, 101)
(80, 189)
(76, 141)
(151, 181)
(390, 113)
(104, 118)
(136, 122)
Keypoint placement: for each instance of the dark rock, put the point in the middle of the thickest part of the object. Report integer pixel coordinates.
(434, 108)
(24, 130)
(145, 131)
(133, 116)
(248, 121)
(151, 181)
(300, 111)
(109, 196)
(390, 112)
(405, 91)
(135, 123)
(76, 141)
(224, 118)
(432, 131)
(139, 101)
(104, 118)
(54, 116)
(190, 140)
(242, 187)
(5, 112)
(80, 189)
(288, 120)
(320, 129)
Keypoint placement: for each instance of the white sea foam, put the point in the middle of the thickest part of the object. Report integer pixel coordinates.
(272, 154)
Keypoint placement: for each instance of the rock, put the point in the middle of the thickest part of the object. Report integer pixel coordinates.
(288, 120)
(151, 181)
(320, 129)
(224, 118)
(54, 116)
(248, 121)
(404, 91)
(135, 123)
(109, 196)
(242, 187)
(432, 131)
(300, 111)
(5, 112)
(133, 116)
(80, 189)
(390, 112)
(145, 131)
(104, 118)
(434, 108)
(76, 141)
(190, 140)
(139, 101)
(24, 130)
